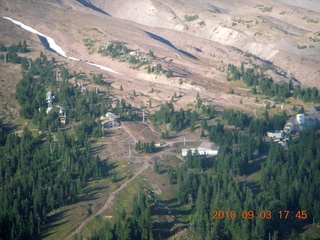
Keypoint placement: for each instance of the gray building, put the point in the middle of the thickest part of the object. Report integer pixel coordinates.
(301, 122)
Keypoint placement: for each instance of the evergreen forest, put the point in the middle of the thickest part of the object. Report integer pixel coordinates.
(43, 171)
(47, 169)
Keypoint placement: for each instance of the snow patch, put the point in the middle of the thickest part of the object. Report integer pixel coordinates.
(51, 42)
(56, 47)
(104, 68)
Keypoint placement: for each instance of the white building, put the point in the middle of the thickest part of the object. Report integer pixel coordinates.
(201, 151)
(205, 149)
(275, 134)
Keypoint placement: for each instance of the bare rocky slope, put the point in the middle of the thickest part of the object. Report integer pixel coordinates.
(283, 32)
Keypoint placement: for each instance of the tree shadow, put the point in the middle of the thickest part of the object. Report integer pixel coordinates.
(110, 166)
(96, 150)
(181, 212)
(170, 201)
(162, 171)
(255, 165)
(94, 190)
(119, 179)
(161, 230)
(207, 162)
(254, 186)
(10, 128)
(165, 230)
(86, 197)
(45, 232)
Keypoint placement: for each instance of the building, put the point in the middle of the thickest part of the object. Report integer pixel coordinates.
(275, 134)
(204, 149)
(301, 122)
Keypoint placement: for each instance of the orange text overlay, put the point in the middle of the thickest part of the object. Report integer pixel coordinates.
(262, 214)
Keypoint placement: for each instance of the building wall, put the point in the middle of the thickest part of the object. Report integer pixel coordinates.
(202, 151)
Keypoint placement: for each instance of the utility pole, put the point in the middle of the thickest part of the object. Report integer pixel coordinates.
(143, 116)
(57, 75)
(82, 86)
(5, 58)
(184, 141)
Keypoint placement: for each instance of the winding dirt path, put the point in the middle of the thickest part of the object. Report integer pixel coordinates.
(145, 164)
(114, 193)
(108, 203)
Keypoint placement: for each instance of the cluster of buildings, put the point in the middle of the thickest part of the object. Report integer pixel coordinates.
(295, 124)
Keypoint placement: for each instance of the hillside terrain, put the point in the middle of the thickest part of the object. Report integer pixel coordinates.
(284, 34)
(175, 74)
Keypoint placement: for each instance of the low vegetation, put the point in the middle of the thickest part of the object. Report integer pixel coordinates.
(263, 8)
(118, 50)
(191, 18)
(310, 20)
(254, 77)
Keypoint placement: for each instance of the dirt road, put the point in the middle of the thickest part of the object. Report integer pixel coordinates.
(145, 164)
(108, 203)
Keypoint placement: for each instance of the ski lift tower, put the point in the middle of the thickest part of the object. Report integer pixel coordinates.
(143, 114)
(58, 75)
(82, 88)
(63, 115)
(49, 98)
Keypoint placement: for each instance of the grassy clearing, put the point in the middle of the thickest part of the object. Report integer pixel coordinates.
(172, 160)
(313, 231)
(168, 214)
(93, 226)
(123, 200)
(65, 219)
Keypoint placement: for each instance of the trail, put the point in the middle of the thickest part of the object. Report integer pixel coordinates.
(145, 165)
(108, 203)
(129, 132)
(114, 193)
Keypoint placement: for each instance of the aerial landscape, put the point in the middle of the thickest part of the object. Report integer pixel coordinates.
(159, 119)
